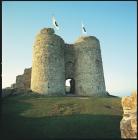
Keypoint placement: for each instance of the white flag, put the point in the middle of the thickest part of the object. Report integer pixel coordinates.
(83, 29)
(55, 23)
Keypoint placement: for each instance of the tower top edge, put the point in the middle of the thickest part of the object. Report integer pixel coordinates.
(47, 31)
(86, 38)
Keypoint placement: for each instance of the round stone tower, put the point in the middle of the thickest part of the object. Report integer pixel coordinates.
(48, 70)
(88, 69)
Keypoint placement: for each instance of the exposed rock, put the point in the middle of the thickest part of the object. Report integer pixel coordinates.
(128, 124)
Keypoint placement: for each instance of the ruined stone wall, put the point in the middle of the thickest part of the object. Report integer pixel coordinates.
(69, 61)
(48, 68)
(54, 62)
(128, 124)
(88, 69)
(23, 81)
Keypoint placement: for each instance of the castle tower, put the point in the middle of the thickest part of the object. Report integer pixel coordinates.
(88, 69)
(48, 70)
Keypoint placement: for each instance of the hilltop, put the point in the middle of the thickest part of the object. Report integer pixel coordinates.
(39, 117)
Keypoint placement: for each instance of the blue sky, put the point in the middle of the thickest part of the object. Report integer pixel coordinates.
(113, 23)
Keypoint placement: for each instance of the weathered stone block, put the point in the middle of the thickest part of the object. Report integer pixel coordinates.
(128, 124)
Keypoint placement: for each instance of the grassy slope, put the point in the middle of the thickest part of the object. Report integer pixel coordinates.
(60, 117)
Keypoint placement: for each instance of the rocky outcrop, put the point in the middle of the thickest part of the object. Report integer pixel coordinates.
(128, 124)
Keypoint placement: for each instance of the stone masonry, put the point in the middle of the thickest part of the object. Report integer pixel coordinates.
(54, 62)
(128, 124)
(88, 70)
(23, 81)
(48, 69)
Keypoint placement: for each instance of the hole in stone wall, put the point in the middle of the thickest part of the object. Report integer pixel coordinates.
(70, 86)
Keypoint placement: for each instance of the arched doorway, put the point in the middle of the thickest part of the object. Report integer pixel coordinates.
(70, 86)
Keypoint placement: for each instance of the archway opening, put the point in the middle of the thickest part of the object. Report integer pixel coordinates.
(70, 86)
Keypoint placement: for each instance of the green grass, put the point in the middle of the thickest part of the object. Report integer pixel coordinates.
(41, 117)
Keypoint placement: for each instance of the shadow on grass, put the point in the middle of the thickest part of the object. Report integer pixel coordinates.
(15, 126)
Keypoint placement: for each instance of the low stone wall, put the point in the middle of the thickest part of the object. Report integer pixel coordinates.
(23, 81)
(21, 86)
(128, 124)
